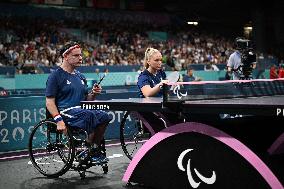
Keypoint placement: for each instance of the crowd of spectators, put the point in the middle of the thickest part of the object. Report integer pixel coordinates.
(31, 43)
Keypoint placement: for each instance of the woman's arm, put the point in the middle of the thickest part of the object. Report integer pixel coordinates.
(149, 91)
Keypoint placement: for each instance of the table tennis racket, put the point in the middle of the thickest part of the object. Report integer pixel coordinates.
(101, 79)
(173, 78)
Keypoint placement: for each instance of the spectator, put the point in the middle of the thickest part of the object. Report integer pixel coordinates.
(210, 67)
(124, 45)
(190, 76)
(260, 67)
(281, 71)
(235, 65)
(273, 73)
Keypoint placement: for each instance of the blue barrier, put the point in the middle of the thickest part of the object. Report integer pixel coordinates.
(8, 70)
(92, 69)
(38, 81)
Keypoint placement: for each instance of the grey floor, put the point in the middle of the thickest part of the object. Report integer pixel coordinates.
(20, 174)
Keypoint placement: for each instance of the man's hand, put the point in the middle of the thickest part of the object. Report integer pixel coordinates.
(229, 69)
(97, 89)
(61, 127)
(198, 79)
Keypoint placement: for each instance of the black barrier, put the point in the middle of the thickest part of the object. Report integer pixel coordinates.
(192, 155)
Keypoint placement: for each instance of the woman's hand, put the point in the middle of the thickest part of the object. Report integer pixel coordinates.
(163, 82)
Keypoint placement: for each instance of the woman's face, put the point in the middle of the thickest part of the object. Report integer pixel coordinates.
(155, 61)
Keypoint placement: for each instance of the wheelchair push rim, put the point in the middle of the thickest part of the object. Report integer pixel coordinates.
(132, 134)
(51, 152)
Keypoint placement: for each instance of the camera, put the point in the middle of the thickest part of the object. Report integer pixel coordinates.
(248, 58)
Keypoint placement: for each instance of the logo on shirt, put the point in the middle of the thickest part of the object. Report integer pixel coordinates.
(68, 82)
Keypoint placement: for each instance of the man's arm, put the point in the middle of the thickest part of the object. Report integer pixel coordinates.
(51, 107)
(254, 65)
(230, 64)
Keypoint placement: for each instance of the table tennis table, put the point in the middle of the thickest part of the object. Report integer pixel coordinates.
(261, 106)
(207, 150)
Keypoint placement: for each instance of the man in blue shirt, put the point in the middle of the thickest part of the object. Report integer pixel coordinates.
(65, 88)
(189, 76)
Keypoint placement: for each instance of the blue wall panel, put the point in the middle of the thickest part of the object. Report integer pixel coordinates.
(18, 115)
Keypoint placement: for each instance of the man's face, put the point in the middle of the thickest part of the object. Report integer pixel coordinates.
(190, 72)
(74, 58)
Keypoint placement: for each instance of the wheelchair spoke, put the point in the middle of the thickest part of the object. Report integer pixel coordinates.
(132, 135)
(50, 151)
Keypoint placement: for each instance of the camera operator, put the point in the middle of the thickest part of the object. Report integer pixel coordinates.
(242, 61)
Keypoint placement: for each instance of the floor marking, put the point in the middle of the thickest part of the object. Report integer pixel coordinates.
(59, 161)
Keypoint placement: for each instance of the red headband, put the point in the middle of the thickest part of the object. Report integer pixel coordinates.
(70, 49)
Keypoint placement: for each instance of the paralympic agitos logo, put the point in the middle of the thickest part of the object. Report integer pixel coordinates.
(178, 93)
(192, 182)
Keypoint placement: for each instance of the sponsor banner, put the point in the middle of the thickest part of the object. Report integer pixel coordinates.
(18, 116)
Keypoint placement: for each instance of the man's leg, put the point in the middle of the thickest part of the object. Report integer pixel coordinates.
(98, 134)
(95, 138)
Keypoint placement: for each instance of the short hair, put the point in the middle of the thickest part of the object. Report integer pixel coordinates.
(68, 47)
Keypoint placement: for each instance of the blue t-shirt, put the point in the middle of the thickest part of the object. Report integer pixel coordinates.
(67, 89)
(146, 78)
(187, 78)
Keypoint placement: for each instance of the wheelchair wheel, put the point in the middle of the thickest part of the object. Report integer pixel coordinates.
(132, 134)
(51, 152)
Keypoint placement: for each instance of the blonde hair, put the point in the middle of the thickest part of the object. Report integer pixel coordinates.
(148, 53)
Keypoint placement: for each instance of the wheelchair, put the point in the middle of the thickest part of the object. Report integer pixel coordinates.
(134, 132)
(53, 153)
